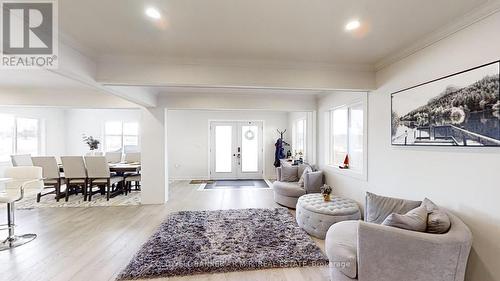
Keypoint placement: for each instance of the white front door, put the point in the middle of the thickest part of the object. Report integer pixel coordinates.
(236, 150)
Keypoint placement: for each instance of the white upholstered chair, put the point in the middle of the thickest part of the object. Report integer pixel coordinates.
(21, 160)
(18, 179)
(51, 175)
(100, 176)
(133, 157)
(75, 174)
(113, 157)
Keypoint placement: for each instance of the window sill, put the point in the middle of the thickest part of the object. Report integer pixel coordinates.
(356, 174)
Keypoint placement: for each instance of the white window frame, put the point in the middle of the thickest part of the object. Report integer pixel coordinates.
(360, 174)
(295, 137)
(122, 135)
(39, 149)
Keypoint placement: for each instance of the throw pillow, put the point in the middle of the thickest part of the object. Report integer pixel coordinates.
(304, 173)
(289, 173)
(302, 167)
(415, 220)
(378, 208)
(438, 221)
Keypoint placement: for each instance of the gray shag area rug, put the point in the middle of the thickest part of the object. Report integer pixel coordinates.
(194, 242)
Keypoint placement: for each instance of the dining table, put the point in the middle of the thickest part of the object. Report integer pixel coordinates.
(119, 169)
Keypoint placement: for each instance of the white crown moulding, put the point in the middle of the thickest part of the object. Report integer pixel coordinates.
(475, 15)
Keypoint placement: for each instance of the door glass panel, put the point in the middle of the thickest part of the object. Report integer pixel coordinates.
(249, 149)
(223, 145)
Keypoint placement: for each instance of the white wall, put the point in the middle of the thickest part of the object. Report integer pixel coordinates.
(91, 122)
(188, 139)
(465, 180)
(154, 158)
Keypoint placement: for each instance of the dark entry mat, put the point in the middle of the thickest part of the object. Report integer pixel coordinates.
(236, 184)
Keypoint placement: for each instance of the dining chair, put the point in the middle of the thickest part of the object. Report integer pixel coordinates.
(113, 157)
(133, 157)
(51, 175)
(132, 178)
(100, 176)
(18, 180)
(75, 174)
(21, 160)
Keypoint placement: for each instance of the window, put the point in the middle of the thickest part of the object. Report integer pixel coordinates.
(18, 135)
(121, 136)
(299, 138)
(347, 136)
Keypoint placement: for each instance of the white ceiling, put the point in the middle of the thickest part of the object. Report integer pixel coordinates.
(277, 30)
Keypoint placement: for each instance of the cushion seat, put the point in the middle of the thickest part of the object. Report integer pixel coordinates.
(291, 189)
(77, 181)
(315, 216)
(112, 180)
(341, 247)
(133, 178)
(337, 206)
(6, 198)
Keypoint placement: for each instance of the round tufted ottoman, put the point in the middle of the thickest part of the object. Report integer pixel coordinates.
(315, 216)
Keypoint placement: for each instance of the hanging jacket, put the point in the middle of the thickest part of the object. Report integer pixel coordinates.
(279, 153)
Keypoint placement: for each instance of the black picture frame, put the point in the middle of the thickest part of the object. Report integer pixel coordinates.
(436, 128)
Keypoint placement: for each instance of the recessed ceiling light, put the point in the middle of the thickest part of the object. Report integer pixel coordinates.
(352, 25)
(153, 13)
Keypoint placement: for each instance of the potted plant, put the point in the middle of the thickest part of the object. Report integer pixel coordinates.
(92, 142)
(326, 191)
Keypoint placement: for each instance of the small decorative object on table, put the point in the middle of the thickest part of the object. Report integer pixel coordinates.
(91, 142)
(326, 191)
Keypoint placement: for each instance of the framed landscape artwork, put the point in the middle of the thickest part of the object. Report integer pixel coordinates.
(462, 109)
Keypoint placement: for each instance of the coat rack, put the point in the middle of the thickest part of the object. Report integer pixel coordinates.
(281, 133)
(281, 136)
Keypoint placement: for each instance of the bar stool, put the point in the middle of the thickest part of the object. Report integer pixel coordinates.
(19, 179)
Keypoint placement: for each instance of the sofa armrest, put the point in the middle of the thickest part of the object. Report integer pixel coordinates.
(313, 182)
(393, 254)
(278, 173)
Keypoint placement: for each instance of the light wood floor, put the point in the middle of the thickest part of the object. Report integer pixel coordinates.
(97, 243)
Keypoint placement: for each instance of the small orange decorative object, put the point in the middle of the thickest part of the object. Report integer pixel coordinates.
(346, 163)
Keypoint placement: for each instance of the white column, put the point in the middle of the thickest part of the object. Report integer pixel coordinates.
(154, 156)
